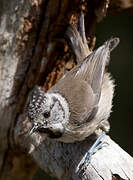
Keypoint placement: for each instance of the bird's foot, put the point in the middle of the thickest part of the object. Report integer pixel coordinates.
(95, 147)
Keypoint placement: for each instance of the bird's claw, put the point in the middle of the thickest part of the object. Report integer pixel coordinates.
(95, 147)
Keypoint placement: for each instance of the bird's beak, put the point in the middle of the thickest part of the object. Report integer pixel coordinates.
(33, 129)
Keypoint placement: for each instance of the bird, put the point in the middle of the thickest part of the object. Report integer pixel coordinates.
(81, 101)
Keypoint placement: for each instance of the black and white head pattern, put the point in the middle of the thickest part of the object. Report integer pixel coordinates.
(36, 103)
(48, 109)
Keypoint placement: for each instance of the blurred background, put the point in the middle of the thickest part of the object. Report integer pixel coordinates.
(121, 68)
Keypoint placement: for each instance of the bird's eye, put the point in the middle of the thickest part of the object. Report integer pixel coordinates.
(46, 114)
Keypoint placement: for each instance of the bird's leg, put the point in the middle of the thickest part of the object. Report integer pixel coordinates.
(95, 147)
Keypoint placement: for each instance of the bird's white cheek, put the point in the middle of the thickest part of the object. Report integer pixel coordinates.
(57, 114)
(57, 127)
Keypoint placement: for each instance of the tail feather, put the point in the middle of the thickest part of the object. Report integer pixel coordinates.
(112, 43)
(77, 40)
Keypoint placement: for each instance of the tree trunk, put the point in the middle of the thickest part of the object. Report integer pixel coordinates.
(32, 51)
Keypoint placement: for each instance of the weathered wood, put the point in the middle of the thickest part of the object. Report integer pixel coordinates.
(64, 161)
(26, 35)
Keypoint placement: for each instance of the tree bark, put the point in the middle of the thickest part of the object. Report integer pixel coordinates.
(31, 53)
(64, 161)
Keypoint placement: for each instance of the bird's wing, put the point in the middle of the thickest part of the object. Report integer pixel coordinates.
(93, 67)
